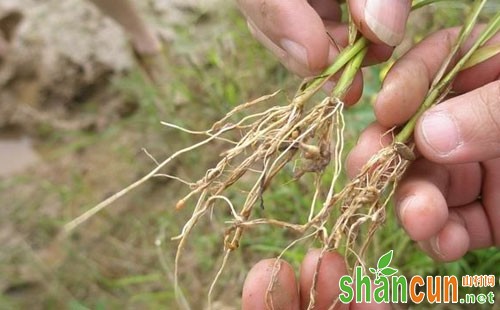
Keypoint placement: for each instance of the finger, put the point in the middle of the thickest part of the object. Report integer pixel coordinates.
(426, 192)
(491, 196)
(451, 243)
(354, 91)
(376, 53)
(289, 61)
(372, 139)
(339, 33)
(292, 26)
(468, 227)
(408, 81)
(477, 224)
(423, 198)
(463, 129)
(328, 10)
(381, 21)
(255, 290)
(480, 74)
(327, 290)
(300, 34)
(420, 203)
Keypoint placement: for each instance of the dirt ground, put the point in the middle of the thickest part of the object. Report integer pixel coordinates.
(72, 97)
(63, 53)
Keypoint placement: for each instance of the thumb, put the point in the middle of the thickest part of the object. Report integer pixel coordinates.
(463, 129)
(381, 21)
(292, 30)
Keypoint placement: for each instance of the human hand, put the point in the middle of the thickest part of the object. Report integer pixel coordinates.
(289, 294)
(449, 198)
(297, 31)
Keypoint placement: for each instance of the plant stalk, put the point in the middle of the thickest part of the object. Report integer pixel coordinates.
(439, 88)
(309, 88)
(347, 77)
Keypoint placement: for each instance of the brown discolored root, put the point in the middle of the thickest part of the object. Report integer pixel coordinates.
(270, 141)
(311, 140)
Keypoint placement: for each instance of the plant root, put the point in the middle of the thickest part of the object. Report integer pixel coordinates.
(312, 139)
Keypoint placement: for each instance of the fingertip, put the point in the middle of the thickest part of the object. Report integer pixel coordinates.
(450, 244)
(381, 21)
(356, 8)
(292, 30)
(462, 129)
(421, 204)
(355, 90)
(255, 289)
(332, 267)
(422, 214)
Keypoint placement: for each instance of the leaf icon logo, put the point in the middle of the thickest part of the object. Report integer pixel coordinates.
(383, 269)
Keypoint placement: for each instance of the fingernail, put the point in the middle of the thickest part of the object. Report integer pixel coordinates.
(387, 19)
(435, 246)
(296, 51)
(403, 207)
(440, 132)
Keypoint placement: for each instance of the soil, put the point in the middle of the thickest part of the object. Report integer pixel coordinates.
(70, 138)
(61, 54)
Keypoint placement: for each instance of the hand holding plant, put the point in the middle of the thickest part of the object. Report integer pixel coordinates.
(446, 200)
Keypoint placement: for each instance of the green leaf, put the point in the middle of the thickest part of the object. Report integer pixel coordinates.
(384, 260)
(388, 271)
(482, 54)
(373, 270)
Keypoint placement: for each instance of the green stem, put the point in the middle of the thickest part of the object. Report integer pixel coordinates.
(309, 88)
(348, 74)
(482, 54)
(436, 92)
(465, 32)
